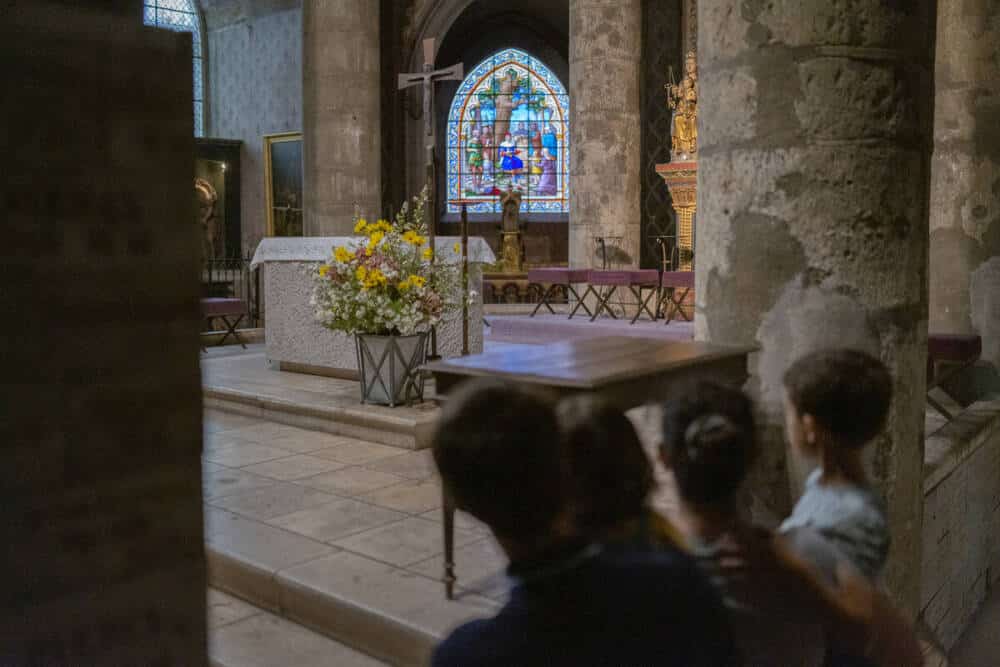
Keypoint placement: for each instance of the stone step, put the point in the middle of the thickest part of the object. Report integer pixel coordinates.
(242, 635)
(382, 610)
(245, 385)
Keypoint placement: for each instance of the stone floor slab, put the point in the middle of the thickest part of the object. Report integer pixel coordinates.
(270, 548)
(336, 520)
(222, 481)
(243, 454)
(462, 521)
(403, 543)
(351, 481)
(264, 432)
(294, 467)
(305, 442)
(411, 496)
(357, 452)
(474, 563)
(282, 498)
(265, 640)
(224, 609)
(385, 610)
(412, 465)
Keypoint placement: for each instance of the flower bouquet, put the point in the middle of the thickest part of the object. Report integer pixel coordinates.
(384, 289)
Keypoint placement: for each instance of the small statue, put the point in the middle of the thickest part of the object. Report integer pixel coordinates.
(205, 198)
(683, 99)
(511, 203)
(510, 231)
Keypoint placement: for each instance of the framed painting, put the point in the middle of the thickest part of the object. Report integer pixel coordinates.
(283, 183)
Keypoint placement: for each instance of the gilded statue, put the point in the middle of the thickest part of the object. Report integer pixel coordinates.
(683, 100)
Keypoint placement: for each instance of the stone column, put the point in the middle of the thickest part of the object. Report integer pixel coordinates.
(605, 48)
(965, 174)
(100, 403)
(815, 134)
(340, 113)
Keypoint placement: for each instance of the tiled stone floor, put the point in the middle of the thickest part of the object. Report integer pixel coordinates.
(375, 501)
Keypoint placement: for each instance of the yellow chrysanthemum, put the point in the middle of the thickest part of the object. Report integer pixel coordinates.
(375, 239)
(457, 248)
(418, 281)
(342, 255)
(360, 226)
(403, 285)
(410, 236)
(428, 253)
(419, 240)
(383, 225)
(323, 270)
(361, 273)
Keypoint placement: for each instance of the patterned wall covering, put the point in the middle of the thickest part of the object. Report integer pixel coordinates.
(255, 88)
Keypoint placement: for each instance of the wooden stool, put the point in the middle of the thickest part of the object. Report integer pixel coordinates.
(556, 277)
(672, 283)
(224, 308)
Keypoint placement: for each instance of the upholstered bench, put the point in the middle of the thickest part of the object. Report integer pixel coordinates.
(557, 278)
(224, 309)
(672, 284)
(948, 355)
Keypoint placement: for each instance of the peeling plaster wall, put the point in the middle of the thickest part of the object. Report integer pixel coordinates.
(815, 143)
(255, 88)
(965, 172)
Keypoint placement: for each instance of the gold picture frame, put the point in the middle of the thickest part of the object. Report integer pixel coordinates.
(283, 183)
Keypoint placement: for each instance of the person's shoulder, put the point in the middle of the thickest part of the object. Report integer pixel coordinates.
(469, 644)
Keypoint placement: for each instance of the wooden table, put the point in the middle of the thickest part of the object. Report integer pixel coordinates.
(626, 371)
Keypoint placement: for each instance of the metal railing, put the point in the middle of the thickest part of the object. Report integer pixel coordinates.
(232, 277)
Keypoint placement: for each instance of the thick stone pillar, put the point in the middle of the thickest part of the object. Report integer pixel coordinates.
(815, 134)
(605, 45)
(965, 174)
(341, 115)
(100, 404)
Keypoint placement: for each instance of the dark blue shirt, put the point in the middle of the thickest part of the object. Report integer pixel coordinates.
(584, 606)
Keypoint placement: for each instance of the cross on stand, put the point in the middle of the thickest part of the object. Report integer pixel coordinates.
(427, 78)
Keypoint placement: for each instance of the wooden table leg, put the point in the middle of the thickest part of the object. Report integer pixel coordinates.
(448, 523)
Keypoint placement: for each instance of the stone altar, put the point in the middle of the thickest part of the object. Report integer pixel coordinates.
(296, 342)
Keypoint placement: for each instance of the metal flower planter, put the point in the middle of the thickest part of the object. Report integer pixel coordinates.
(388, 368)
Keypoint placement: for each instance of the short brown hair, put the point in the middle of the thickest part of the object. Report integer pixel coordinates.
(847, 392)
(497, 448)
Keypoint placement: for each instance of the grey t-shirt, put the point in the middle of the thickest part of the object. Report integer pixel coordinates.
(839, 523)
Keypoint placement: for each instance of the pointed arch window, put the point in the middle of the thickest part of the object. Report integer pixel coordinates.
(509, 128)
(182, 16)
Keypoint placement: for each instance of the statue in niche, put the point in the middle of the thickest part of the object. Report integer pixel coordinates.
(205, 199)
(510, 231)
(683, 99)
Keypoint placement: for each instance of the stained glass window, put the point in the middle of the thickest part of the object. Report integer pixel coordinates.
(509, 128)
(182, 16)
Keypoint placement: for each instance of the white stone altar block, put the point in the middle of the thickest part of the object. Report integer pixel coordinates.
(295, 341)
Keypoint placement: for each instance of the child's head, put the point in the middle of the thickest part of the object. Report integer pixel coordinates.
(610, 477)
(709, 442)
(835, 397)
(497, 449)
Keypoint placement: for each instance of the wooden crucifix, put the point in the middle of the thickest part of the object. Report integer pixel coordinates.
(427, 78)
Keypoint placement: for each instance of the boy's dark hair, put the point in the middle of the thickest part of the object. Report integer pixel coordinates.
(847, 392)
(610, 477)
(497, 449)
(709, 438)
